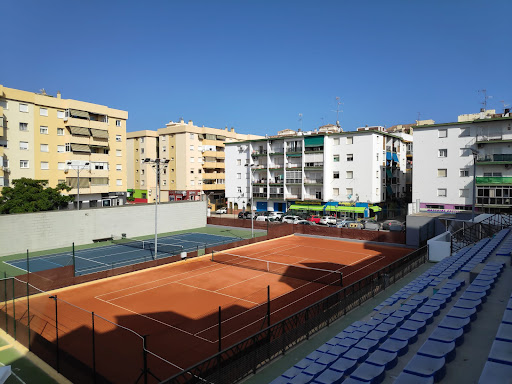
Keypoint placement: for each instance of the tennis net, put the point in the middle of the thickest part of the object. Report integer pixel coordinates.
(317, 275)
(172, 249)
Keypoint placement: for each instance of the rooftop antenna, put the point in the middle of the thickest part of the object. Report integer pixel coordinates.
(484, 103)
(300, 120)
(505, 106)
(338, 110)
(419, 118)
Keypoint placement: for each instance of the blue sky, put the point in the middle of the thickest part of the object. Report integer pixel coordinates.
(255, 65)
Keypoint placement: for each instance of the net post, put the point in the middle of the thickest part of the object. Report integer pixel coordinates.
(341, 279)
(212, 255)
(28, 315)
(28, 266)
(74, 266)
(268, 305)
(220, 331)
(14, 308)
(93, 351)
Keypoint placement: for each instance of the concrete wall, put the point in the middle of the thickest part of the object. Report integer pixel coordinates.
(439, 247)
(422, 228)
(57, 229)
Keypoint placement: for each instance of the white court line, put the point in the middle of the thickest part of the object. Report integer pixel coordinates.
(157, 321)
(217, 293)
(94, 261)
(373, 262)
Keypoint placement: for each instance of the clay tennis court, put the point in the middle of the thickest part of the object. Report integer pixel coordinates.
(177, 305)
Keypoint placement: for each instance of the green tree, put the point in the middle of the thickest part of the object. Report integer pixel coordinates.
(29, 195)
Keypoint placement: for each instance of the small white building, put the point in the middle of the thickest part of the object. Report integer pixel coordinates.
(445, 156)
(350, 172)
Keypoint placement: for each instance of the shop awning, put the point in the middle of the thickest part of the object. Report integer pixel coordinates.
(388, 156)
(297, 207)
(376, 209)
(388, 172)
(395, 157)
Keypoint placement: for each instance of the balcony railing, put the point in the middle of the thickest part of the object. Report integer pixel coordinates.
(314, 165)
(495, 180)
(276, 195)
(490, 137)
(313, 181)
(503, 158)
(314, 149)
(277, 151)
(294, 150)
(293, 166)
(293, 181)
(259, 153)
(261, 181)
(263, 195)
(292, 196)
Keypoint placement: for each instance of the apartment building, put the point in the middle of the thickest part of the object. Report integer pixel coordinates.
(64, 140)
(355, 172)
(196, 162)
(452, 159)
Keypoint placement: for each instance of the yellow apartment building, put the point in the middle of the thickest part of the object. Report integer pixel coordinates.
(64, 140)
(196, 162)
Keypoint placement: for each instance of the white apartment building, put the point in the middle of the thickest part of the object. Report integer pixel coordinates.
(349, 172)
(445, 156)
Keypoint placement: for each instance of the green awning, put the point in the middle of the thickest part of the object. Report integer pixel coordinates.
(376, 209)
(297, 207)
(342, 208)
(314, 141)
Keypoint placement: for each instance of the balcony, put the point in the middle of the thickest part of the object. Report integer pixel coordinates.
(277, 195)
(294, 166)
(216, 154)
(259, 153)
(496, 159)
(261, 195)
(277, 151)
(213, 187)
(75, 122)
(293, 197)
(211, 164)
(318, 165)
(293, 181)
(214, 176)
(260, 182)
(495, 180)
(313, 181)
(314, 150)
(482, 139)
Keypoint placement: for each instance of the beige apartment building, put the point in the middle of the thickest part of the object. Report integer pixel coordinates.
(63, 140)
(196, 164)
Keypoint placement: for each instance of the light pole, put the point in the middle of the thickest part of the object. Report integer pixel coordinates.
(78, 168)
(249, 167)
(475, 154)
(156, 166)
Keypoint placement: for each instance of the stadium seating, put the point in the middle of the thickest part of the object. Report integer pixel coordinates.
(447, 295)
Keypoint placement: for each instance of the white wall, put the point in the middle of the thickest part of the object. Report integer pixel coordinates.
(439, 247)
(57, 229)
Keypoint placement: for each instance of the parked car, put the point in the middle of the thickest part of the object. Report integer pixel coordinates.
(221, 210)
(262, 218)
(326, 220)
(291, 219)
(345, 223)
(389, 224)
(305, 222)
(314, 219)
(244, 215)
(277, 215)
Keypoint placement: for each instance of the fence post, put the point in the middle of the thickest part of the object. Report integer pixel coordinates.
(220, 331)
(6, 314)
(28, 315)
(14, 308)
(93, 351)
(268, 305)
(28, 267)
(74, 265)
(54, 297)
(145, 357)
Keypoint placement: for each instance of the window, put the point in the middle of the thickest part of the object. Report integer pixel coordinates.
(3, 143)
(162, 138)
(239, 189)
(350, 174)
(119, 167)
(141, 171)
(442, 153)
(43, 130)
(44, 148)
(350, 157)
(44, 165)
(464, 172)
(43, 112)
(142, 151)
(118, 123)
(23, 145)
(23, 108)
(61, 181)
(377, 157)
(441, 192)
(24, 127)
(4, 104)
(60, 131)
(164, 149)
(118, 153)
(192, 182)
(336, 158)
(442, 172)
(442, 133)
(238, 175)
(238, 162)
(464, 132)
(192, 136)
(60, 114)
(61, 148)
(192, 171)
(492, 174)
(61, 166)
(336, 141)
(350, 192)
(463, 192)
(118, 138)
(377, 174)
(336, 175)
(191, 148)
(119, 182)
(192, 159)
(23, 163)
(336, 191)
(142, 140)
(68, 147)
(350, 140)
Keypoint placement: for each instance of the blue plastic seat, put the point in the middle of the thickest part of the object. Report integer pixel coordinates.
(369, 373)
(327, 359)
(462, 313)
(357, 354)
(377, 335)
(447, 335)
(426, 317)
(314, 355)
(347, 342)
(393, 320)
(456, 323)
(468, 304)
(329, 376)
(369, 344)
(405, 335)
(346, 366)
(413, 325)
(507, 317)
(303, 364)
(301, 378)
(386, 359)
(385, 327)
(337, 350)
(501, 352)
(495, 373)
(434, 310)
(474, 296)
(407, 378)
(438, 349)
(290, 373)
(314, 369)
(359, 334)
(426, 366)
(504, 332)
(280, 380)
(394, 345)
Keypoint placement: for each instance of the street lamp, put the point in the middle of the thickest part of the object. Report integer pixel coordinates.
(250, 168)
(156, 166)
(475, 155)
(78, 168)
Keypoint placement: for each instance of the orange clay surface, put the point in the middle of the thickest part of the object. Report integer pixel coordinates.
(177, 305)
